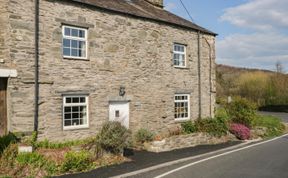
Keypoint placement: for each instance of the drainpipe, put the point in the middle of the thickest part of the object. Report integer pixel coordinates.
(36, 95)
(199, 77)
(210, 74)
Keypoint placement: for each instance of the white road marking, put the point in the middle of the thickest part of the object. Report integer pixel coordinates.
(216, 156)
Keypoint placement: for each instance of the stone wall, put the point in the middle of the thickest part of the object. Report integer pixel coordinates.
(123, 51)
(184, 141)
(20, 35)
(4, 33)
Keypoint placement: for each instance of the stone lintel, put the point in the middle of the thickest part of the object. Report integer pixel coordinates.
(119, 98)
(74, 23)
(8, 73)
(183, 91)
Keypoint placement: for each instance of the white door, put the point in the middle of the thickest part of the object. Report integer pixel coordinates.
(119, 111)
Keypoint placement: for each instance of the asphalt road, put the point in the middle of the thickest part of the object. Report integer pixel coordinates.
(281, 115)
(268, 160)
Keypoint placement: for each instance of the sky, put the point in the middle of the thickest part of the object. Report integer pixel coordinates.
(251, 33)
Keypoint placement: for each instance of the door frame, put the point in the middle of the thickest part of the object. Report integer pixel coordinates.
(120, 102)
(4, 115)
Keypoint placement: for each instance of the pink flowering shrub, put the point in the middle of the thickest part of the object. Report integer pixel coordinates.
(240, 131)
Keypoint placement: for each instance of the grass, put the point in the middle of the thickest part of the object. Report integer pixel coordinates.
(273, 125)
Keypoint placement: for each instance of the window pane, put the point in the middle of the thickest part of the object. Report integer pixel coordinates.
(68, 116)
(82, 45)
(67, 109)
(75, 32)
(75, 100)
(67, 31)
(176, 56)
(66, 52)
(82, 100)
(66, 43)
(82, 33)
(68, 100)
(67, 123)
(80, 53)
(75, 122)
(74, 43)
(75, 115)
(75, 109)
(74, 52)
(82, 109)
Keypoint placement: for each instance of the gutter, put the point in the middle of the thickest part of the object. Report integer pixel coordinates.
(36, 94)
(199, 77)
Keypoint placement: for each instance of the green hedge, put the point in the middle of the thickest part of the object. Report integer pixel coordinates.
(216, 127)
(6, 140)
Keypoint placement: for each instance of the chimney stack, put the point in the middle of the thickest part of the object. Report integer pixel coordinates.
(158, 3)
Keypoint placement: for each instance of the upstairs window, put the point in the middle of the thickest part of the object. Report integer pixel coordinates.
(75, 112)
(182, 107)
(179, 55)
(74, 42)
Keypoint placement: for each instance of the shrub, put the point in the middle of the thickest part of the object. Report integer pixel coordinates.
(241, 111)
(273, 125)
(9, 155)
(188, 127)
(222, 113)
(216, 127)
(114, 137)
(76, 161)
(34, 159)
(240, 131)
(6, 140)
(144, 135)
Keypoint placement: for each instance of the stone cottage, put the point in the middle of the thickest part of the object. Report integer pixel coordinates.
(68, 66)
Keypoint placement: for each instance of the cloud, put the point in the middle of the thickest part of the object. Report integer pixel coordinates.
(253, 50)
(258, 14)
(266, 44)
(170, 6)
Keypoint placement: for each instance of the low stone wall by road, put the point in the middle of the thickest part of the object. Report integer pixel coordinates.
(183, 141)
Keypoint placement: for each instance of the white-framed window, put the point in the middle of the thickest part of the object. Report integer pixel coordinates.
(182, 106)
(179, 55)
(74, 43)
(75, 112)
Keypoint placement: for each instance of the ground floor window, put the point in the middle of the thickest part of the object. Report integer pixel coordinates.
(182, 106)
(75, 111)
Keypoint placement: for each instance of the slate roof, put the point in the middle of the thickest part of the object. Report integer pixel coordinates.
(143, 9)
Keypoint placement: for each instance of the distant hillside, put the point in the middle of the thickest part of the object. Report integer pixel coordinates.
(262, 86)
(225, 69)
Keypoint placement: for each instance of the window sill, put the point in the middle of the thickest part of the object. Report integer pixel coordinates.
(75, 127)
(182, 119)
(75, 58)
(180, 67)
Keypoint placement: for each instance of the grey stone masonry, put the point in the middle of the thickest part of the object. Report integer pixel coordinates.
(122, 51)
